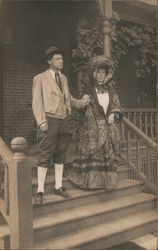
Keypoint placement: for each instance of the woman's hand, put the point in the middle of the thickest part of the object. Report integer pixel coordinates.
(44, 127)
(111, 118)
(86, 100)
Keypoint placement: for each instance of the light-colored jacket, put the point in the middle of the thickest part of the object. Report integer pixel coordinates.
(46, 94)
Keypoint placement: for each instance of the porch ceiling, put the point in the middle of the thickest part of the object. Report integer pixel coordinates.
(136, 11)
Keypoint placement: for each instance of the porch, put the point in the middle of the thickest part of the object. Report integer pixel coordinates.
(90, 219)
(26, 34)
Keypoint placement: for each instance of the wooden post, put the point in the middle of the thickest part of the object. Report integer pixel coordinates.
(157, 119)
(157, 88)
(106, 11)
(20, 197)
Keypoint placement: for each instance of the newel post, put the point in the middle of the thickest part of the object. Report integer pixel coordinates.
(20, 197)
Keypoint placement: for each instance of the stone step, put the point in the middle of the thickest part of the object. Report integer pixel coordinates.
(106, 234)
(121, 169)
(146, 242)
(54, 203)
(123, 173)
(78, 218)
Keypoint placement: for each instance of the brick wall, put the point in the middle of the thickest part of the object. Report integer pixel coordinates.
(28, 29)
(33, 28)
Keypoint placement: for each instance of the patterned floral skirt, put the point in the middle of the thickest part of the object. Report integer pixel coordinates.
(98, 155)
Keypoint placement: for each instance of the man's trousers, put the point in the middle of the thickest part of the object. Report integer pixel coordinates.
(53, 143)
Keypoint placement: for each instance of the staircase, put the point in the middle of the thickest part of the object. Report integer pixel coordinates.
(90, 219)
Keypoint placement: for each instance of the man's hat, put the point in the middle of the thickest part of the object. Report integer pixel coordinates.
(50, 52)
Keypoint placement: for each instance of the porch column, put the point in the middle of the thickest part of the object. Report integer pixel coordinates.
(157, 118)
(106, 11)
(157, 84)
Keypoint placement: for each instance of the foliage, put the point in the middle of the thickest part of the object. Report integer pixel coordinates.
(123, 37)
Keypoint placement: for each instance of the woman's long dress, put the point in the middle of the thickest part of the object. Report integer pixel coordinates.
(97, 145)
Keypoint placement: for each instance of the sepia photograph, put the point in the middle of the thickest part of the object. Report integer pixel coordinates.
(79, 124)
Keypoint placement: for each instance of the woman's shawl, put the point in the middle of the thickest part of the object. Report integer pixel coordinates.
(99, 132)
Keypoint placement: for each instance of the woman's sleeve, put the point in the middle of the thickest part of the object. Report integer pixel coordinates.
(116, 104)
(115, 107)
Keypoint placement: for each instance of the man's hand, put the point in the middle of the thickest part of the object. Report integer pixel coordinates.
(111, 118)
(44, 127)
(85, 97)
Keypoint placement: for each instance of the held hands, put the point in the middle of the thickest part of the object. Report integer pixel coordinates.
(111, 118)
(85, 100)
(44, 127)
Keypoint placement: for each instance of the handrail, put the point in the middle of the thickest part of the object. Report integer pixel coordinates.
(6, 155)
(143, 118)
(3, 211)
(5, 151)
(139, 171)
(139, 109)
(141, 134)
(143, 177)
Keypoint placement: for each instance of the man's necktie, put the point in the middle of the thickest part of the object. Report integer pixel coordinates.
(57, 78)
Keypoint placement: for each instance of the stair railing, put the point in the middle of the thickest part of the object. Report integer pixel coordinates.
(140, 154)
(5, 154)
(145, 119)
(16, 193)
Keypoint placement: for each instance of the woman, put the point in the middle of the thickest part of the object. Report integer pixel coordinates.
(98, 134)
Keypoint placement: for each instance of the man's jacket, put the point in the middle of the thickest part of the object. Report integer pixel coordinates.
(46, 95)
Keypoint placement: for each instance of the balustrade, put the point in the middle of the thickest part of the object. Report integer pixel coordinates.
(140, 154)
(144, 119)
(5, 154)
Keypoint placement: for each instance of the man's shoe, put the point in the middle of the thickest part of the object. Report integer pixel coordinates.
(62, 191)
(38, 199)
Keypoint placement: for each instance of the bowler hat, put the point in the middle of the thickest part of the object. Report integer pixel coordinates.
(50, 52)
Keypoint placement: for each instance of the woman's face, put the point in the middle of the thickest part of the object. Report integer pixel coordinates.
(100, 76)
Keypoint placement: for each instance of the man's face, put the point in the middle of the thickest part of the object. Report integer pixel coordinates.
(56, 62)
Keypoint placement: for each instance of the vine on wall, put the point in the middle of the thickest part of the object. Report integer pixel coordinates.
(123, 37)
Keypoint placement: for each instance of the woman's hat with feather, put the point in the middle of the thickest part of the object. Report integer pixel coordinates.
(101, 61)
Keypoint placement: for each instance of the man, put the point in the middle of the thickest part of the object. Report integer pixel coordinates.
(51, 106)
